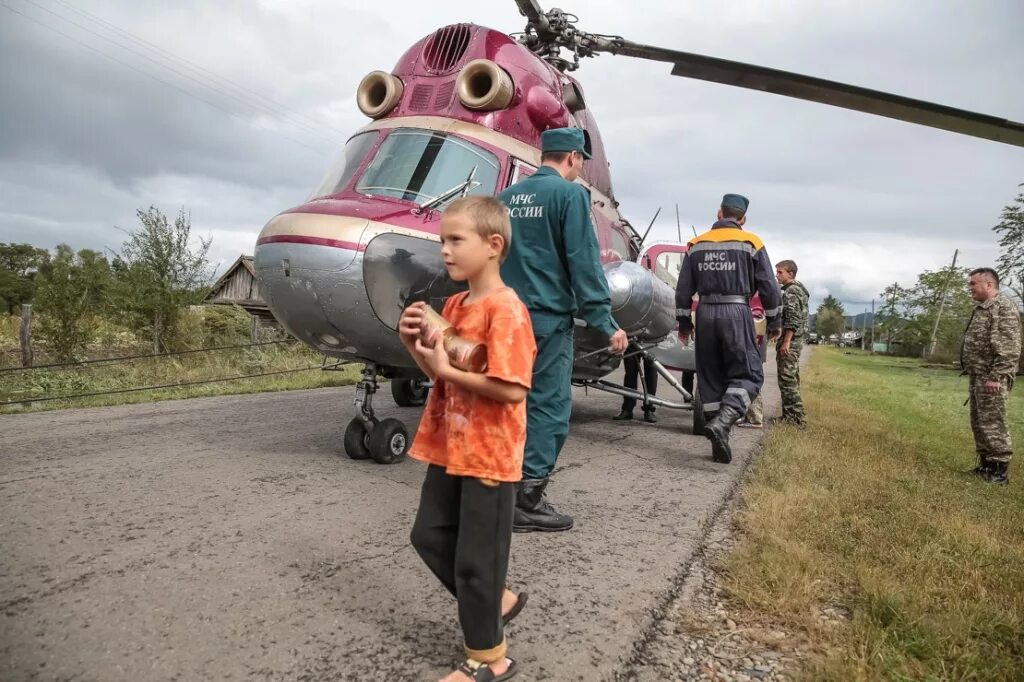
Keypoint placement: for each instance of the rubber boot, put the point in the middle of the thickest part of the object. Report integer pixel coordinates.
(623, 416)
(717, 431)
(997, 473)
(534, 512)
(649, 415)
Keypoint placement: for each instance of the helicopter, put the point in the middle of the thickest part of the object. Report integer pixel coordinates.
(461, 113)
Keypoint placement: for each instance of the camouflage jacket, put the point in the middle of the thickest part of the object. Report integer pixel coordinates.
(991, 344)
(794, 309)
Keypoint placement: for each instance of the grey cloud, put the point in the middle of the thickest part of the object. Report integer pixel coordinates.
(94, 140)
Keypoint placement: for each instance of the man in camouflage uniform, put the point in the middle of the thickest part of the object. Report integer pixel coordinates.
(989, 354)
(787, 350)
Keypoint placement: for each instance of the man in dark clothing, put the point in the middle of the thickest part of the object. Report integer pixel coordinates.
(554, 265)
(725, 267)
(631, 380)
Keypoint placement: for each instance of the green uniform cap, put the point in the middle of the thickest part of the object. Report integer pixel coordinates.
(565, 140)
(737, 201)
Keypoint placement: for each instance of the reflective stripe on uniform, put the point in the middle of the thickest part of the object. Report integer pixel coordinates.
(683, 312)
(742, 392)
(773, 312)
(722, 246)
(712, 407)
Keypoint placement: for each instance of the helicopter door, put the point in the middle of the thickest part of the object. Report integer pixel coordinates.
(664, 260)
(520, 171)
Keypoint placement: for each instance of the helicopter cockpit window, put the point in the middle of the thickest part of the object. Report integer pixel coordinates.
(420, 165)
(344, 168)
(668, 267)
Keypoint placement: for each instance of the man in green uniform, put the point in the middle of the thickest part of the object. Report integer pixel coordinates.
(990, 353)
(787, 350)
(554, 265)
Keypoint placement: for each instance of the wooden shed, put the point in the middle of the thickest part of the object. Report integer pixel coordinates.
(238, 286)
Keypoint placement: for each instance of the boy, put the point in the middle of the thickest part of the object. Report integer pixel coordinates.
(472, 435)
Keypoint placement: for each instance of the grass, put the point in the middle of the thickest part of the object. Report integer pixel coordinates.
(868, 513)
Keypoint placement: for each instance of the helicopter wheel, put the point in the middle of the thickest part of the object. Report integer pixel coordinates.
(357, 440)
(698, 411)
(388, 442)
(409, 392)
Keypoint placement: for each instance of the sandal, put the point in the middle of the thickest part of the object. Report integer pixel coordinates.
(516, 608)
(481, 672)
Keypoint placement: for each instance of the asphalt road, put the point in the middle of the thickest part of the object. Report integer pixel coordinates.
(231, 539)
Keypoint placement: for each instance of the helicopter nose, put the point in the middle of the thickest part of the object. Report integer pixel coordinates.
(307, 269)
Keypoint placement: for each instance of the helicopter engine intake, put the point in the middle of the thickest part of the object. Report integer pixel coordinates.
(484, 86)
(378, 93)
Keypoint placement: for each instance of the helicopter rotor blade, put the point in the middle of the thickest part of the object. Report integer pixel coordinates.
(726, 72)
(533, 13)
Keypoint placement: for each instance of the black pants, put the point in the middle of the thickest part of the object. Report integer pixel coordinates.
(463, 532)
(728, 360)
(632, 367)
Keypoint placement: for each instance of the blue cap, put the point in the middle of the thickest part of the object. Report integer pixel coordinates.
(737, 201)
(565, 140)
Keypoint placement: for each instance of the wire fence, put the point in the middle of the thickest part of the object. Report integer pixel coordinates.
(162, 387)
(129, 358)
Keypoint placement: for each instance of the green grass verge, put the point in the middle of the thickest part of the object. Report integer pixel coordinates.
(868, 511)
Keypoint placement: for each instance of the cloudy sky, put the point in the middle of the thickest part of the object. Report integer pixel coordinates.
(101, 116)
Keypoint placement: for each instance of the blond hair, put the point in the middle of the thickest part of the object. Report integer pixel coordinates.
(488, 215)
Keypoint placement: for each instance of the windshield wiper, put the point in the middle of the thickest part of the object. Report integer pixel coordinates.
(463, 187)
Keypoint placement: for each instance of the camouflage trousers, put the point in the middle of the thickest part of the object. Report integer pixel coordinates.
(789, 385)
(988, 420)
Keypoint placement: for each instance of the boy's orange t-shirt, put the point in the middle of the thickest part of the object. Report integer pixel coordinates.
(466, 433)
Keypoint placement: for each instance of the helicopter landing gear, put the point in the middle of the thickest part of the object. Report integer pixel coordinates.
(385, 441)
(409, 392)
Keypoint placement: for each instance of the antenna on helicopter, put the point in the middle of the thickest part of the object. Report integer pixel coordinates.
(679, 229)
(642, 239)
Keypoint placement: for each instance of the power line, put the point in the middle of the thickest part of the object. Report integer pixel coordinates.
(183, 384)
(126, 358)
(149, 74)
(285, 111)
(171, 68)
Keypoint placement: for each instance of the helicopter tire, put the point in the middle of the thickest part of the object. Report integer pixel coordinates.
(388, 442)
(698, 411)
(356, 440)
(409, 392)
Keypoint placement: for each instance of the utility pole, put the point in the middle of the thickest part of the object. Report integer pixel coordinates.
(942, 304)
(872, 325)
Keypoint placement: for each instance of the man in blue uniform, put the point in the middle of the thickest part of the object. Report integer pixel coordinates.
(554, 265)
(725, 267)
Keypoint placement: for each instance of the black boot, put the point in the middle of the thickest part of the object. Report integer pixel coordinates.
(717, 431)
(534, 512)
(649, 415)
(997, 473)
(623, 416)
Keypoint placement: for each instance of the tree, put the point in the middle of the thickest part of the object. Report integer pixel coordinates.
(908, 314)
(832, 303)
(18, 266)
(829, 322)
(1011, 244)
(69, 294)
(161, 269)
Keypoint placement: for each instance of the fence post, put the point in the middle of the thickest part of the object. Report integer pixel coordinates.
(254, 329)
(26, 335)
